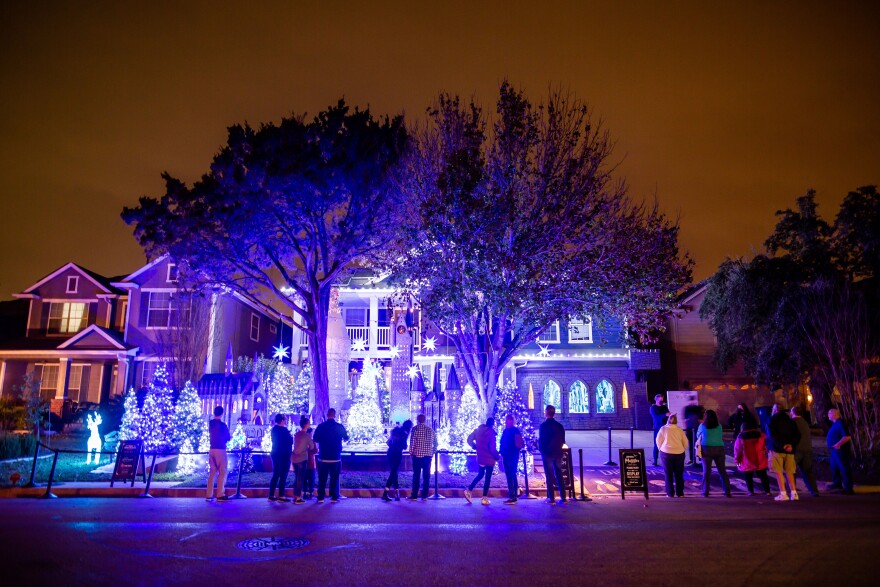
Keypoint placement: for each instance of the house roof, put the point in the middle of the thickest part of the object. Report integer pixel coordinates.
(94, 336)
(102, 282)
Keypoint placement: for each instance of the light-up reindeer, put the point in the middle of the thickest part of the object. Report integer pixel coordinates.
(95, 441)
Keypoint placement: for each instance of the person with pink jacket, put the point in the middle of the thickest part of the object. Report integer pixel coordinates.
(750, 454)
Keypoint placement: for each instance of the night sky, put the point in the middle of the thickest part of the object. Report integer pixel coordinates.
(726, 113)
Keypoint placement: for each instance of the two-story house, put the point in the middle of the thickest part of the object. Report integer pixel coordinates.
(590, 374)
(88, 336)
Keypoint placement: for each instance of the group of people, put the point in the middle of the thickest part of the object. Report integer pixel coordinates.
(301, 449)
(784, 449)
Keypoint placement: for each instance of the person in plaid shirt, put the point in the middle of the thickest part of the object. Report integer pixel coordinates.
(422, 444)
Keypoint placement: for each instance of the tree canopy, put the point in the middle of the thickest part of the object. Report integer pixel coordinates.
(284, 209)
(517, 221)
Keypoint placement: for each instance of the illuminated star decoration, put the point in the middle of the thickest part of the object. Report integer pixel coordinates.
(395, 352)
(358, 344)
(412, 371)
(281, 352)
(431, 343)
(371, 369)
(545, 350)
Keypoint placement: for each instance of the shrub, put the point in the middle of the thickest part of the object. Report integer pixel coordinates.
(13, 446)
(12, 414)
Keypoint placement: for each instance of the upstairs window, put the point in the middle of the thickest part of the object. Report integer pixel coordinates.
(255, 327)
(72, 284)
(550, 335)
(580, 331)
(605, 397)
(356, 316)
(164, 310)
(172, 274)
(578, 398)
(67, 317)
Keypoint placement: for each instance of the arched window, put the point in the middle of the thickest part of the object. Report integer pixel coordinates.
(605, 397)
(552, 395)
(578, 398)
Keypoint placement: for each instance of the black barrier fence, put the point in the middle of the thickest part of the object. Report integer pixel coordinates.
(153, 455)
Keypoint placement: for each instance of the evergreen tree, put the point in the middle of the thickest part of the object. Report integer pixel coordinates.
(510, 402)
(188, 419)
(187, 463)
(131, 415)
(470, 415)
(364, 422)
(280, 391)
(301, 389)
(239, 441)
(157, 418)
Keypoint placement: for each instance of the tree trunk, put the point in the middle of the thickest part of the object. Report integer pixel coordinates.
(318, 353)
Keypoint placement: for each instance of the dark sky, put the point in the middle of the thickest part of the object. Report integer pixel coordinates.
(726, 112)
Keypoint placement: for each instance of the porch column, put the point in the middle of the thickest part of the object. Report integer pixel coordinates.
(374, 323)
(123, 365)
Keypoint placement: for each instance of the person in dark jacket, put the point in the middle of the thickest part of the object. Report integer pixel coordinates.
(551, 439)
(512, 443)
(219, 435)
(329, 436)
(840, 443)
(282, 448)
(784, 437)
(396, 445)
(693, 416)
(803, 452)
(659, 413)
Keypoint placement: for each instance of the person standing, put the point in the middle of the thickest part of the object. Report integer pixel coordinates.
(303, 449)
(512, 443)
(710, 436)
(311, 468)
(396, 445)
(219, 435)
(484, 441)
(750, 454)
(840, 442)
(551, 440)
(672, 444)
(803, 452)
(693, 415)
(422, 444)
(659, 413)
(329, 436)
(282, 447)
(784, 437)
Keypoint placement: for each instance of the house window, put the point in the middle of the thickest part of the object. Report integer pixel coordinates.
(580, 331)
(172, 275)
(605, 397)
(552, 395)
(48, 380)
(164, 310)
(123, 318)
(551, 334)
(74, 382)
(255, 327)
(72, 284)
(67, 317)
(578, 398)
(356, 316)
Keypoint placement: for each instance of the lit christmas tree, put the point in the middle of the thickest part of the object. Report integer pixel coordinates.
(205, 444)
(301, 390)
(187, 463)
(280, 386)
(157, 417)
(364, 423)
(188, 421)
(470, 416)
(131, 415)
(510, 402)
(239, 441)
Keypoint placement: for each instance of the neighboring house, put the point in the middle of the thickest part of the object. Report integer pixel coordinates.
(581, 369)
(88, 336)
(688, 347)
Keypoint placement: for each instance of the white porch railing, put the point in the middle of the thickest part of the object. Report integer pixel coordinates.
(359, 333)
(384, 337)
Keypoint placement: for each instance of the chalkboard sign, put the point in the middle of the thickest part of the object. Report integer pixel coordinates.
(633, 476)
(567, 472)
(127, 460)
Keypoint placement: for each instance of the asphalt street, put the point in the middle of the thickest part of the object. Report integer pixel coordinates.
(830, 540)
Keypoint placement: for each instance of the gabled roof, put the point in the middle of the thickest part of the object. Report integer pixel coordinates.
(124, 280)
(98, 335)
(691, 292)
(96, 278)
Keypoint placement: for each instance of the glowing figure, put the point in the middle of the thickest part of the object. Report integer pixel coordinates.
(95, 442)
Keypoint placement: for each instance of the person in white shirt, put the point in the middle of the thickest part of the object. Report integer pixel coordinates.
(672, 444)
